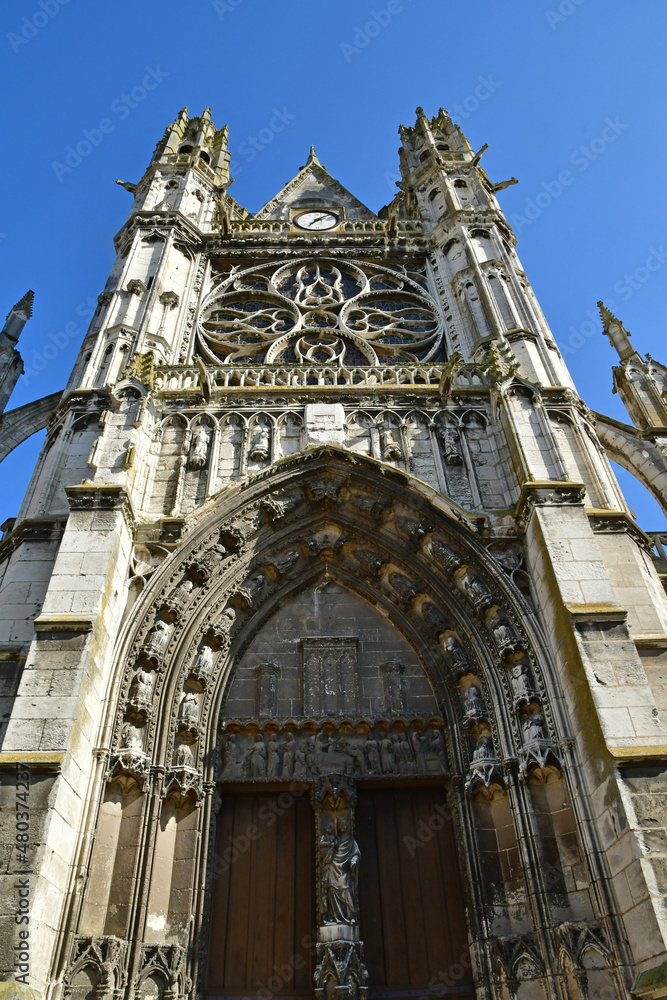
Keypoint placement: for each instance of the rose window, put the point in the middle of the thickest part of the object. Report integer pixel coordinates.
(319, 311)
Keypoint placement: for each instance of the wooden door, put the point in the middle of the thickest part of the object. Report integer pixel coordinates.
(411, 901)
(262, 931)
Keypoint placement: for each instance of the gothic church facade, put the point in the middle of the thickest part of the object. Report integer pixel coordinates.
(331, 652)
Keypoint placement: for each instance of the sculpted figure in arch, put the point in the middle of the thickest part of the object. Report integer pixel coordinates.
(339, 861)
(199, 447)
(141, 689)
(157, 639)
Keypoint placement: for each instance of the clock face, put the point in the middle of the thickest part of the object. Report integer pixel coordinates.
(316, 220)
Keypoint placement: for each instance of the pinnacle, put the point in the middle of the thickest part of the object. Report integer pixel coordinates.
(24, 305)
(312, 157)
(606, 315)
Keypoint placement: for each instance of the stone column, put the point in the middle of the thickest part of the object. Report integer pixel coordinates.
(340, 971)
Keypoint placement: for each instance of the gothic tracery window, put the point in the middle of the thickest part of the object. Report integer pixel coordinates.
(322, 312)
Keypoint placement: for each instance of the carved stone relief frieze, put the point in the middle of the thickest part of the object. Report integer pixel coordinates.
(280, 751)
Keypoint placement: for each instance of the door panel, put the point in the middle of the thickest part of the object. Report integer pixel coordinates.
(412, 913)
(263, 902)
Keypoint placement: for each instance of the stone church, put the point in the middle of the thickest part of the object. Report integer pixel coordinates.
(333, 662)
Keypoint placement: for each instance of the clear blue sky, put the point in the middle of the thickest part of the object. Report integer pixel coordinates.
(555, 72)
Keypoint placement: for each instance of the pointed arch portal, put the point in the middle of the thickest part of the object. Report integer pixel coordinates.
(334, 658)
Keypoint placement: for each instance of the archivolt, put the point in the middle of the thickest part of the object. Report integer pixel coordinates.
(331, 514)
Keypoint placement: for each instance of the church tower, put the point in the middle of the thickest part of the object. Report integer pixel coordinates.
(332, 656)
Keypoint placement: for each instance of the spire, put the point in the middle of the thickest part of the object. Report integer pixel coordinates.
(17, 317)
(616, 332)
(312, 159)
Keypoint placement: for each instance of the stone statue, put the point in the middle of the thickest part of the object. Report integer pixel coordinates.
(204, 662)
(434, 753)
(259, 451)
(257, 758)
(234, 758)
(391, 448)
(141, 689)
(289, 755)
(505, 636)
(131, 737)
(484, 749)
(457, 654)
(522, 683)
(339, 862)
(533, 728)
(273, 759)
(473, 702)
(227, 619)
(199, 447)
(188, 712)
(418, 750)
(157, 639)
(387, 758)
(403, 752)
(476, 592)
(182, 593)
(184, 755)
(373, 757)
(301, 769)
(449, 441)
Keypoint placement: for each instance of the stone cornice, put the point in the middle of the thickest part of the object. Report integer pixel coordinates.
(47, 529)
(547, 493)
(101, 496)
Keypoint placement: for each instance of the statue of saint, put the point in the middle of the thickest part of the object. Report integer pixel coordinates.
(184, 755)
(199, 447)
(339, 862)
(473, 702)
(189, 708)
(234, 758)
(257, 758)
(373, 757)
(204, 662)
(533, 729)
(260, 446)
(157, 639)
(273, 758)
(141, 689)
(131, 738)
(289, 756)
(387, 758)
(484, 749)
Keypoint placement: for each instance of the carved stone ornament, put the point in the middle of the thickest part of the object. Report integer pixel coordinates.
(285, 753)
(518, 957)
(106, 955)
(188, 711)
(484, 768)
(169, 961)
(538, 750)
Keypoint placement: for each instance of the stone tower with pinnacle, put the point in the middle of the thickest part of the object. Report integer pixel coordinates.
(332, 656)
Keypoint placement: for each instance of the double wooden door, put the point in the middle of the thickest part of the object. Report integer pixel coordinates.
(263, 920)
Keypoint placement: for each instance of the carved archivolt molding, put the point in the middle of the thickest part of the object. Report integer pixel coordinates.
(380, 535)
(320, 311)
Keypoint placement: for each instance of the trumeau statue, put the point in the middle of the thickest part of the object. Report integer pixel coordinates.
(339, 860)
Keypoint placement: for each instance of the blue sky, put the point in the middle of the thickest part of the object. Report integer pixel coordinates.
(568, 85)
